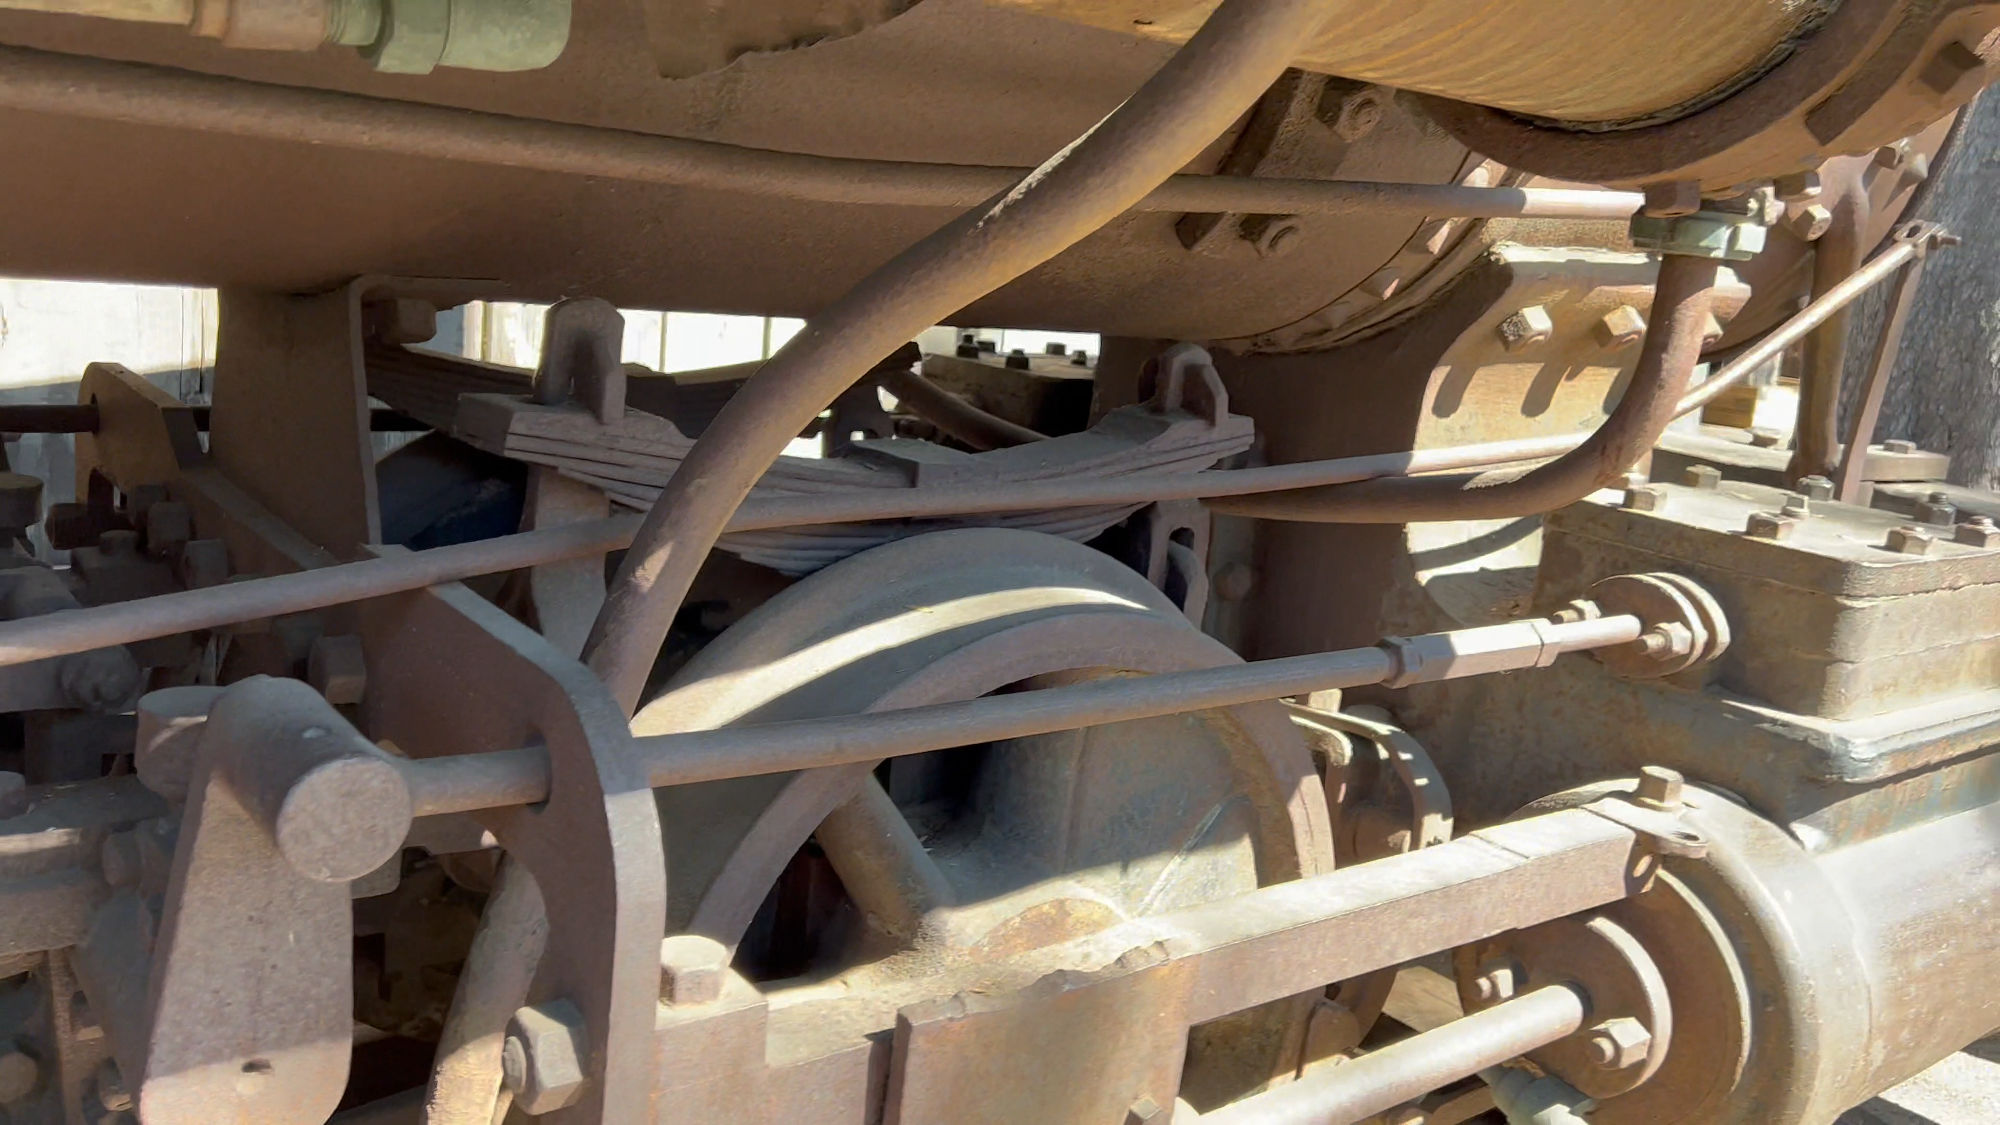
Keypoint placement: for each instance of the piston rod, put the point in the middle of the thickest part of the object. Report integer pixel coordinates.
(1401, 1072)
(463, 783)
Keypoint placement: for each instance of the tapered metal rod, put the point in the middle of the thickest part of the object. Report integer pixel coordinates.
(1401, 1072)
(161, 97)
(475, 781)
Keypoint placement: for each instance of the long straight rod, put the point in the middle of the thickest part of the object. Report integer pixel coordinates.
(1401, 1072)
(468, 782)
(161, 97)
(92, 627)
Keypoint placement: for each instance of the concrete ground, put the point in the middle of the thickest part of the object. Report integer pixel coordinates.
(1962, 1090)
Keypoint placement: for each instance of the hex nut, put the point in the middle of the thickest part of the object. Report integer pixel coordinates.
(1816, 487)
(1619, 1043)
(1765, 438)
(1146, 1111)
(169, 525)
(1645, 498)
(1357, 115)
(1797, 506)
(1705, 477)
(1770, 525)
(1529, 326)
(692, 969)
(1499, 978)
(1908, 541)
(1659, 788)
(337, 668)
(1899, 446)
(412, 38)
(1808, 221)
(1672, 199)
(203, 563)
(1937, 508)
(1667, 640)
(1979, 531)
(1797, 187)
(1619, 328)
(542, 1059)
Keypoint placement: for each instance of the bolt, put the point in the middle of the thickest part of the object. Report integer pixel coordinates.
(541, 1060)
(169, 525)
(1659, 788)
(1770, 525)
(1799, 187)
(1017, 359)
(1908, 541)
(1797, 506)
(1146, 1111)
(1271, 236)
(18, 1073)
(1816, 487)
(1891, 156)
(1937, 508)
(118, 542)
(1356, 115)
(1978, 531)
(1808, 221)
(692, 968)
(1619, 328)
(1619, 1043)
(111, 1091)
(1705, 477)
(1498, 979)
(1531, 325)
(1079, 359)
(203, 563)
(1235, 582)
(1899, 446)
(1645, 498)
(1765, 438)
(1672, 199)
(337, 669)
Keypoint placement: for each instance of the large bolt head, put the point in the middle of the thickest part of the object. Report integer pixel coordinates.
(1618, 1043)
(1908, 541)
(1816, 488)
(1808, 221)
(1659, 788)
(692, 969)
(1770, 525)
(1979, 531)
(1621, 327)
(542, 1058)
(1525, 328)
(1705, 477)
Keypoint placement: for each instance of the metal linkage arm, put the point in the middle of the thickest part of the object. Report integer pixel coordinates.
(520, 776)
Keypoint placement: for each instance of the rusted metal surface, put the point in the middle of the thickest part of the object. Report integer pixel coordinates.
(1853, 464)
(1671, 349)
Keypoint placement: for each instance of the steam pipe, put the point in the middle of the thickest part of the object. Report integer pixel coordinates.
(1682, 296)
(160, 97)
(1241, 49)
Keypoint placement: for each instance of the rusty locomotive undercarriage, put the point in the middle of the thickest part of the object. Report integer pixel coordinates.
(1350, 696)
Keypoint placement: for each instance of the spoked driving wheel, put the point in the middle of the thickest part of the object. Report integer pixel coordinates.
(849, 893)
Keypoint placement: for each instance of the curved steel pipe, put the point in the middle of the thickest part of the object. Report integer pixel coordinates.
(1199, 93)
(163, 97)
(954, 415)
(1681, 300)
